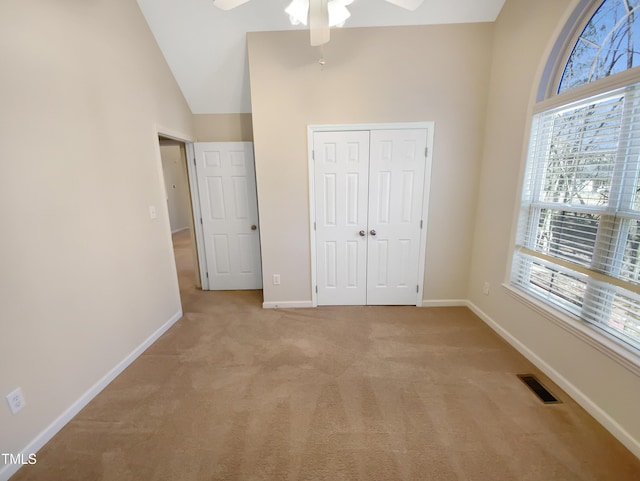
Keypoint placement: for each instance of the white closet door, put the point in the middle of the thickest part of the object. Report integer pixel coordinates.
(396, 183)
(341, 178)
(229, 207)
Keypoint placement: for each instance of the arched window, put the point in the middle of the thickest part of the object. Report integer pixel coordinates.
(608, 44)
(578, 241)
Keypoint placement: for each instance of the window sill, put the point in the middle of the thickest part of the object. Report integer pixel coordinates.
(628, 357)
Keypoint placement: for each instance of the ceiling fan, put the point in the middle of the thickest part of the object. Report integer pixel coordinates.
(321, 15)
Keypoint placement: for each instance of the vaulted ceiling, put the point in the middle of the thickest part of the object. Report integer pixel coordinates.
(206, 47)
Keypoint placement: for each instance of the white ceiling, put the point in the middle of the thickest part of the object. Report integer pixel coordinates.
(206, 47)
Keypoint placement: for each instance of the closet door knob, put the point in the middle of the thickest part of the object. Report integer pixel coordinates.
(362, 233)
(372, 232)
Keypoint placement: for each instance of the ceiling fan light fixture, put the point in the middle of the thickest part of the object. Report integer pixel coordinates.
(338, 13)
(320, 15)
(298, 11)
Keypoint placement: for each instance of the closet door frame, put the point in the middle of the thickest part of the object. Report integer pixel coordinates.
(311, 129)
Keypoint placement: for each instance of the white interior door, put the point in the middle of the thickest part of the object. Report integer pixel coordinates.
(229, 209)
(396, 182)
(341, 162)
(368, 189)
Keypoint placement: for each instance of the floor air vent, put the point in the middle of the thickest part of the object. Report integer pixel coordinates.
(540, 391)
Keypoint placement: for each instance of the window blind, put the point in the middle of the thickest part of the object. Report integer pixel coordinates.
(578, 238)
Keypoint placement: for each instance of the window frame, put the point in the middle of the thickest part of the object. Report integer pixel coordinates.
(548, 98)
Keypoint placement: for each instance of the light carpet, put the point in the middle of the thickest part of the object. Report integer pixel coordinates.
(235, 392)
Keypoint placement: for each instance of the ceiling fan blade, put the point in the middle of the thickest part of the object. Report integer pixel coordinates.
(319, 22)
(228, 4)
(407, 4)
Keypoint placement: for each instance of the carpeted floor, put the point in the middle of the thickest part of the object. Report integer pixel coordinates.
(235, 392)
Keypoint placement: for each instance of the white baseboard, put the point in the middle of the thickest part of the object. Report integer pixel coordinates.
(444, 303)
(287, 304)
(179, 230)
(45, 436)
(581, 398)
(424, 303)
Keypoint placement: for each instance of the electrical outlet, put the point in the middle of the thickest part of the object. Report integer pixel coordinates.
(276, 279)
(15, 399)
(486, 288)
(152, 212)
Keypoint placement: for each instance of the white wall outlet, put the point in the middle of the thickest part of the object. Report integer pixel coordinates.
(486, 288)
(276, 279)
(152, 212)
(15, 399)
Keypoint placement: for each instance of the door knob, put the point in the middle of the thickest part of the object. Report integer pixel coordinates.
(362, 233)
(253, 227)
(372, 232)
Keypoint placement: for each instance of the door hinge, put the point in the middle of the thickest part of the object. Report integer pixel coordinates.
(426, 151)
(194, 161)
(418, 288)
(314, 226)
(200, 220)
(313, 155)
(316, 289)
(421, 224)
(207, 275)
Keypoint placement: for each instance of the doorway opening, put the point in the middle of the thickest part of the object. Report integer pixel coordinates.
(173, 155)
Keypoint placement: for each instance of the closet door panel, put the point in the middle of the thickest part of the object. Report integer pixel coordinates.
(396, 183)
(341, 163)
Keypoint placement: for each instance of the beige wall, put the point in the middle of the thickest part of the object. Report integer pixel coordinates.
(372, 75)
(85, 275)
(524, 34)
(223, 127)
